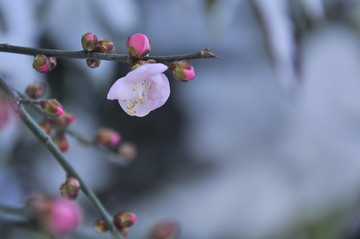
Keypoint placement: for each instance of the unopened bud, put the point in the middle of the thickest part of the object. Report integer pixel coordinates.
(41, 63)
(63, 120)
(107, 137)
(53, 62)
(46, 126)
(92, 63)
(100, 226)
(140, 63)
(128, 151)
(165, 230)
(70, 188)
(61, 141)
(52, 107)
(182, 70)
(89, 41)
(35, 90)
(124, 220)
(106, 46)
(138, 45)
(64, 216)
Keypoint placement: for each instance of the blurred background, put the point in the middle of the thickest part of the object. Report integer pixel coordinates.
(263, 143)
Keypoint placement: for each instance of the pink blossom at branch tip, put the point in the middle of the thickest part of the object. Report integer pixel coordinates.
(64, 216)
(141, 90)
(138, 45)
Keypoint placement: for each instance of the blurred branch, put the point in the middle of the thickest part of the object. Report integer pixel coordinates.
(206, 53)
(52, 148)
(13, 210)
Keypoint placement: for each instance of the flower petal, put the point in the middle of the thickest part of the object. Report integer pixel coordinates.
(144, 72)
(160, 87)
(121, 90)
(139, 109)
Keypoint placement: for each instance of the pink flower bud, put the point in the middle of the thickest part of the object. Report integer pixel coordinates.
(128, 151)
(89, 41)
(41, 63)
(35, 90)
(52, 107)
(46, 126)
(106, 46)
(182, 70)
(64, 216)
(70, 188)
(124, 220)
(107, 137)
(165, 230)
(63, 120)
(138, 45)
(100, 226)
(61, 141)
(53, 62)
(93, 63)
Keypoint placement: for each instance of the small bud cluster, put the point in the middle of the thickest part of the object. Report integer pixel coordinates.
(58, 216)
(43, 63)
(90, 43)
(139, 46)
(122, 222)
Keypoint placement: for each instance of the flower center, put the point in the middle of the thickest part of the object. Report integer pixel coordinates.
(141, 89)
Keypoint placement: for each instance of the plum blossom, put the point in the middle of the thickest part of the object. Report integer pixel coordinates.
(141, 90)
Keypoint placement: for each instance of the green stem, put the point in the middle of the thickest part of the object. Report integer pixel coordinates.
(13, 210)
(30, 102)
(52, 148)
(206, 53)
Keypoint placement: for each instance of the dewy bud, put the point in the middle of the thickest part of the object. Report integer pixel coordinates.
(46, 126)
(41, 63)
(35, 90)
(107, 137)
(124, 220)
(106, 46)
(93, 63)
(53, 62)
(61, 141)
(52, 107)
(70, 188)
(138, 45)
(182, 70)
(63, 120)
(100, 226)
(89, 41)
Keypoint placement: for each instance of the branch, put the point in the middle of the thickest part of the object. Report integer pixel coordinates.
(51, 147)
(206, 53)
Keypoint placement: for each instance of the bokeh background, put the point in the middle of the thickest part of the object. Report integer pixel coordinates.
(263, 143)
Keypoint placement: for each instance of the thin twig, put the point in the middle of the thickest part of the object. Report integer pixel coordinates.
(51, 147)
(206, 53)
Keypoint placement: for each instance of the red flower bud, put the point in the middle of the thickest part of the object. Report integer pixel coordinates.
(61, 141)
(63, 120)
(124, 220)
(100, 226)
(35, 90)
(107, 137)
(89, 41)
(46, 126)
(52, 107)
(106, 46)
(41, 63)
(53, 62)
(182, 70)
(93, 63)
(165, 230)
(70, 188)
(138, 45)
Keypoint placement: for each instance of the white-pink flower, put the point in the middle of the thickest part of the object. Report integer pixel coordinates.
(141, 90)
